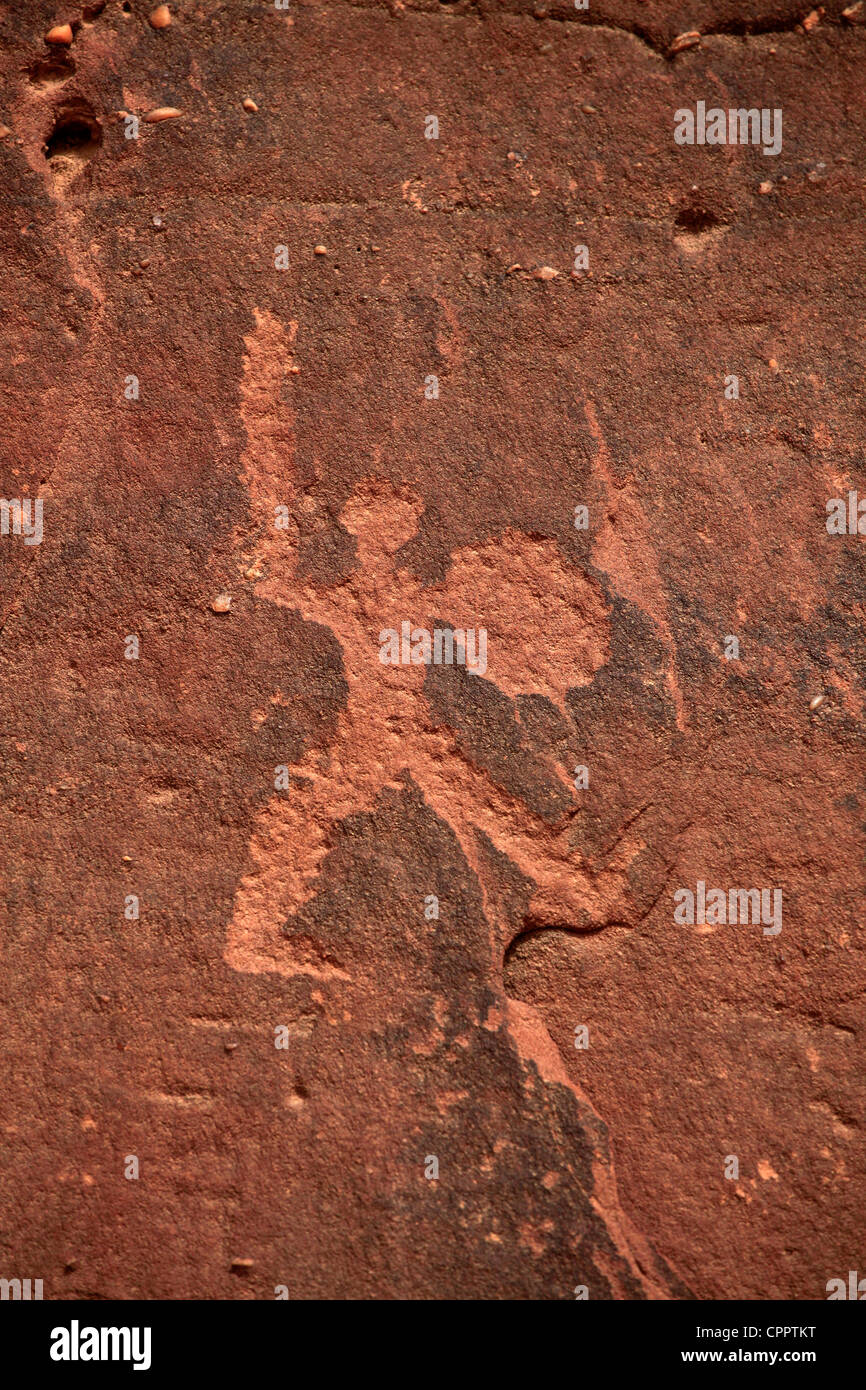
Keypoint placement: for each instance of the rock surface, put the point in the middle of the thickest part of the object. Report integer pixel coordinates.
(286, 1035)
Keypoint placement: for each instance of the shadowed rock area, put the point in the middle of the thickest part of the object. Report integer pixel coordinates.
(286, 922)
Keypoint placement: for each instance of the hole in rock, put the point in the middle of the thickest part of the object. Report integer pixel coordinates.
(49, 72)
(527, 955)
(695, 219)
(76, 135)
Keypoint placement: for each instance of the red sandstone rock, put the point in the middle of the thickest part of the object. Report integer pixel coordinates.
(282, 1026)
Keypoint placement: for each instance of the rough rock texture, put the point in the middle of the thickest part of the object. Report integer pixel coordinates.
(302, 908)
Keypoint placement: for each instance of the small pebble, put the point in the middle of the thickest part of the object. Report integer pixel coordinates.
(545, 272)
(4, 131)
(61, 33)
(765, 187)
(589, 110)
(242, 1266)
(145, 263)
(249, 104)
(812, 20)
(159, 224)
(853, 11)
(816, 702)
(162, 113)
(773, 364)
(683, 41)
(222, 603)
(320, 250)
(230, 1047)
(161, 17)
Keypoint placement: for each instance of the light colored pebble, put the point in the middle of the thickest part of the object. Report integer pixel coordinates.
(162, 113)
(683, 41)
(61, 33)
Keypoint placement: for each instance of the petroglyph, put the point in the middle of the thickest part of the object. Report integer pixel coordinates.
(547, 628)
